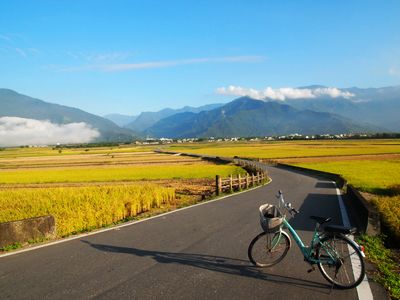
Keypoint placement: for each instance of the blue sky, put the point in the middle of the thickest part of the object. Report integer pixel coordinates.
(132, 56)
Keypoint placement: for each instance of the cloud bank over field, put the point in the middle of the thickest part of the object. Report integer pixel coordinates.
(284, 93)
(16, 131)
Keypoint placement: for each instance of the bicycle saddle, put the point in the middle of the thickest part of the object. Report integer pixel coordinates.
(321, 220)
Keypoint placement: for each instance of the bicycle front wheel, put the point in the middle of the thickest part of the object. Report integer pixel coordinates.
(341, 262)
(267, 249)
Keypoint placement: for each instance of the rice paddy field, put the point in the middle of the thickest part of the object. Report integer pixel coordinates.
(294, 149)
(78, 209)
(91, 188)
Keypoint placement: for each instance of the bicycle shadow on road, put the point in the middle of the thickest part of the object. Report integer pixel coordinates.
(325, 205)
(221, 264)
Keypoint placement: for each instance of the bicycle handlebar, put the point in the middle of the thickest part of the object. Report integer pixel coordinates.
(288, 206)
(295, 211)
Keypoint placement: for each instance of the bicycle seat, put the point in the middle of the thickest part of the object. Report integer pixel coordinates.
(340, 229)
(321, 220)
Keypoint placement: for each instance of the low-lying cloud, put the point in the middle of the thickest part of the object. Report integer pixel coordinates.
(15, 131)
(284, 93)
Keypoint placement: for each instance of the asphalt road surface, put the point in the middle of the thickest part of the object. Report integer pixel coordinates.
(195, 253)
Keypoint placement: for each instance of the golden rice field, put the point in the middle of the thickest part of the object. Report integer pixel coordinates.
(131, 173)
(80, 209)
(108, 168)
(286, 149)
(40, 181)
(51, 151)
(373, 176)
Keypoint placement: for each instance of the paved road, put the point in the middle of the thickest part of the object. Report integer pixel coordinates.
(196, 253)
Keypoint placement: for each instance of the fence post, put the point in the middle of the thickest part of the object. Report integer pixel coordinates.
(218, 185)
(258, 178)
(247, 180)
(252, 179)
(231, 183)
(240, 182)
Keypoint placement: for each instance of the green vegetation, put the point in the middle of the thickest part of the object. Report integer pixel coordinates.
(10, 247)
(80, 209)
(388, 265)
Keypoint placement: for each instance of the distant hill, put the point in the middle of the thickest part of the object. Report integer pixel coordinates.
(148, 119)
(13, 104)
(378, 106)
(249, 117)
(119, 119)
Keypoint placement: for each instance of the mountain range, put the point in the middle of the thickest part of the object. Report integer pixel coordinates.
(147, 119)
(245, 117)
(367, 110)
(378, 106)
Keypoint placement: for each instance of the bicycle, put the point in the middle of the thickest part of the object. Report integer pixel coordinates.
(339, 259)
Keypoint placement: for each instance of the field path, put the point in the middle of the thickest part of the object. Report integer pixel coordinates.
(195, 253)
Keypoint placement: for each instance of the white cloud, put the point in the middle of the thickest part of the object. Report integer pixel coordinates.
(113, 67)
(283, 93)
(16, 131)
(95, 57)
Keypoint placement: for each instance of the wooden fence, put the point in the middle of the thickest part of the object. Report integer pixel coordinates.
(228, 185)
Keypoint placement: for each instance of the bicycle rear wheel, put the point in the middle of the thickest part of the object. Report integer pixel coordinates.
(267, 249)
(341, 262)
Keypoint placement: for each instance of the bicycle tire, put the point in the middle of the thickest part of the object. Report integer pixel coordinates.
(263, 253)
(349, 269)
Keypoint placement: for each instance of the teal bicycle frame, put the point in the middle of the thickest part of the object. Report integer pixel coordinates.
(309, 251)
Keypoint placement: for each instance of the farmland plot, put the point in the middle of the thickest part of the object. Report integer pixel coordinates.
(90, 189)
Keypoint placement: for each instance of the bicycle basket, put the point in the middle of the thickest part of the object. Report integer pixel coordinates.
(270, 218)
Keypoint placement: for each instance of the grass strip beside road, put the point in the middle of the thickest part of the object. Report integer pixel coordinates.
(386, 261)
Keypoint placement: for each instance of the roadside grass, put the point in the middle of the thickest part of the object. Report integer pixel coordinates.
(385, 260)
(389, 208)
(11, 247)
(81, 209)
(128, 173)
(288, 149)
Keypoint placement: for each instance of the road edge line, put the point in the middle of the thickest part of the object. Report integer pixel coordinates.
(363, 289)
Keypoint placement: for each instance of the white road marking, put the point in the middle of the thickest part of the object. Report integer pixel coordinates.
(363, 289)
